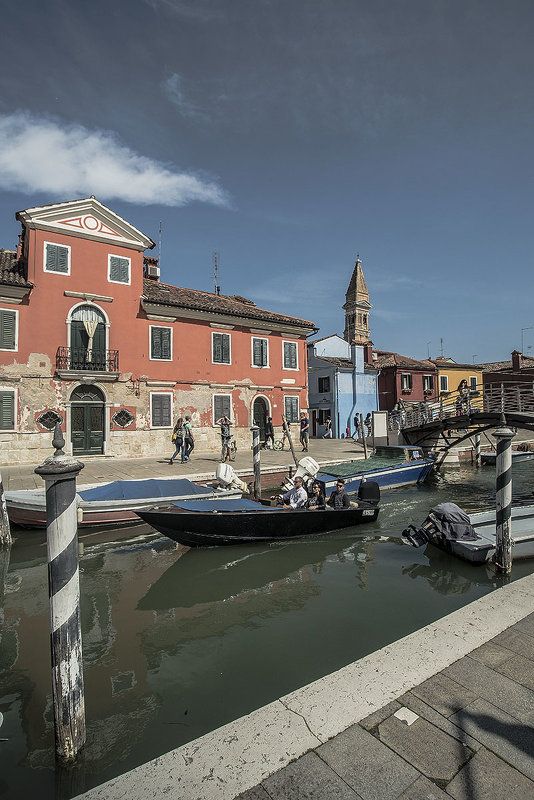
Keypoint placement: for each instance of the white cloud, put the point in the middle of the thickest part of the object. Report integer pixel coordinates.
(174, 89)
(39, 154)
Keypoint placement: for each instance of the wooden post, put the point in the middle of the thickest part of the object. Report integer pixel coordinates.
(288, 434)
(5, 530)
(503, 498)
(364, 440)
(59, 473)
(477, 449)
(256, 461)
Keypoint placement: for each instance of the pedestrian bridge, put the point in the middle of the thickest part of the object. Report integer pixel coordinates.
(458, 417)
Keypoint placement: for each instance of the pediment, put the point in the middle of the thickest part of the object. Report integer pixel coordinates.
(87, 219)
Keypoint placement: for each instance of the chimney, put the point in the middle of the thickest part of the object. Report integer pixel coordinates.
(516, 361)
(368, 353)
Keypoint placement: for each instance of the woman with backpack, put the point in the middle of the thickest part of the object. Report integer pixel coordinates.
(177, 439)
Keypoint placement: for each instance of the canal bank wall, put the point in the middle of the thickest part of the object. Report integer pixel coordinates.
(313, 734)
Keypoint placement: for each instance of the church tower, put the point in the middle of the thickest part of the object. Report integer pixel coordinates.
(357, 307)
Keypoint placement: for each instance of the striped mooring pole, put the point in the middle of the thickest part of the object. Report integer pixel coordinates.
(477, 449)
(5, 530)
(256, 461)
(59, 473)
(503, 498)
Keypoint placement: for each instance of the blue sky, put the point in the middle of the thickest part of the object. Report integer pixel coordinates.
(290, 135)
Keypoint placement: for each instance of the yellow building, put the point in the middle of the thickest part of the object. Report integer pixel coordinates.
(450, 377)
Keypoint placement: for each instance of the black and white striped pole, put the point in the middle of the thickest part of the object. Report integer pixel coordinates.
(5, 530)
(59, 473)
(256, 461)
(477, 449)
(503, 498)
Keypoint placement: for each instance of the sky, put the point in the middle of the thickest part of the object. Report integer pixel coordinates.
(290, 136)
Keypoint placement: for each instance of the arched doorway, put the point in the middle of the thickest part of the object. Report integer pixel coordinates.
(88, 338)
(87, 420)
(260, 411)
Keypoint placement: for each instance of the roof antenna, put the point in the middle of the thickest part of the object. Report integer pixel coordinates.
(159, 243)
(216, 287)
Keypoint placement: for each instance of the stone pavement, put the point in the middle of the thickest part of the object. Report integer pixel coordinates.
(102, 469)
(465, 733)
(447, 711)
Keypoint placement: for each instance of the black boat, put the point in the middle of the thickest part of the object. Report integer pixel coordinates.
(204, 523)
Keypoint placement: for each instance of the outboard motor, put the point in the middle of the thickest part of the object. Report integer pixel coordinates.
(445, 523)
(227, 477)
(369, 492)
(307, 470)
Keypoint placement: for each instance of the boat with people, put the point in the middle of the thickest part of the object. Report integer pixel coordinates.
(115, 503)
(205, 523)
(472, 537)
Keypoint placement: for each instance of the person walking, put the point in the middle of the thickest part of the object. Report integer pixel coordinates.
(304, 431)
(177, 438)
(189, 440)
(368, 422)
(286, 433)
(226, 438)
(328, 425)
(269, 434)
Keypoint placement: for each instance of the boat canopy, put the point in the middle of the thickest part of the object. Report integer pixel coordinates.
(232, 504)
(138, 490)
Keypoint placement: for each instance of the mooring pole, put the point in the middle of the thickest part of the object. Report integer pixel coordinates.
(364, 440)
(256, 461)
(59, 473)
(288, 434)
(5, 530)
(477, 449)
(503, 498)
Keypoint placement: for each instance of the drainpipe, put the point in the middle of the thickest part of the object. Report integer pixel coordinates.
(336, 405)
(354, 382)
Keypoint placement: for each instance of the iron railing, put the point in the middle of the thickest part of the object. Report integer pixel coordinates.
(88, 360)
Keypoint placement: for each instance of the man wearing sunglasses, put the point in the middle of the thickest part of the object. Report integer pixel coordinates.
(339, 499)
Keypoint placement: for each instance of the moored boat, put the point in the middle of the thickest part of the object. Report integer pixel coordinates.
(209, 522)
(113, 503)
(472, 536)
(490, 456)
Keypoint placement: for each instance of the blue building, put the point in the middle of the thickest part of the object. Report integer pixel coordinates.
(341, 384)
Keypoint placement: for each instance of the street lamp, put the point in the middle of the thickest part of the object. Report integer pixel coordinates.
(530, 327)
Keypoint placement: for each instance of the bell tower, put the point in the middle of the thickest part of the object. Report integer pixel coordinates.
(357, 307)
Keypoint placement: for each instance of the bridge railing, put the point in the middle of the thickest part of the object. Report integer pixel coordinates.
(496, 397)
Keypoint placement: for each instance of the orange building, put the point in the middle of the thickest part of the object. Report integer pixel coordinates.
(91, 338)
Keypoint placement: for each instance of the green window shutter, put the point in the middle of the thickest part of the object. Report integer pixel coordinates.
(119, 269)
(222, 406)
(8, 321)
(290, 355)
(160, 343)
(57, 258)
(7, 411)
(161, 411)
(221, 348)
(260, 352)
(291, 406)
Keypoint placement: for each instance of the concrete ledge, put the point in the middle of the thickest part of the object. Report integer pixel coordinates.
(237, 756)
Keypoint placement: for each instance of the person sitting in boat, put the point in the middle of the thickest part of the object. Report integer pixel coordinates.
(297, 496)
(317, 499)
(339, 498)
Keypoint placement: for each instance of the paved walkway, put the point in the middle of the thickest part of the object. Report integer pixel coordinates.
(447, 711)
(101, 469)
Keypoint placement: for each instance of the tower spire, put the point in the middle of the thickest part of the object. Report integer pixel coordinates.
(357, 307)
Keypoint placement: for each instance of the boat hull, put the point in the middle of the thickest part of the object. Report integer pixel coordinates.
(387, 477)
(205, 529)
(490, 458)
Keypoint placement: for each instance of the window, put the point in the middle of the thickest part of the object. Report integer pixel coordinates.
(406, 382)
(444, 383)
(324, 414)
(161, 409)
(324, 385)
(428, 383)
(291, 409)
(118, 269)
(220, 348)
(260, 352)
(7, 409)
(56, 258)
(160, 343)
(473, 383)
(8, 329)
(222, 406)
(290, 355)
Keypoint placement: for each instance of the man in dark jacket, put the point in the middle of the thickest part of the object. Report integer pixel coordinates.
(339, 498)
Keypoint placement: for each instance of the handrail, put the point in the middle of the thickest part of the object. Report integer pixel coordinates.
(71, 358)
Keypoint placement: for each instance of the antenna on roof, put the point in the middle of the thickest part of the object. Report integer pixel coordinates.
(441, 344)
(216, 287)
(159, 242)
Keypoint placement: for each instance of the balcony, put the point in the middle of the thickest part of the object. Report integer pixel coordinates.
(80, 363)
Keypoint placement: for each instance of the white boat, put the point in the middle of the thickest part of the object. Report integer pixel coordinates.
(478, 544)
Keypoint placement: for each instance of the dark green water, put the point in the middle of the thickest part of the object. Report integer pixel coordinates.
(177, 642)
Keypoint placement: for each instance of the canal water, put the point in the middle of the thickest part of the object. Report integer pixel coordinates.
(177, 642)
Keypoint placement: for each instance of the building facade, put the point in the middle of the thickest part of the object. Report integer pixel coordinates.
(90, 338)
(404, 379)
(341, 384)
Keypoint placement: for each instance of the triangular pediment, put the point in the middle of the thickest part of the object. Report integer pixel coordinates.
(87, 219)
